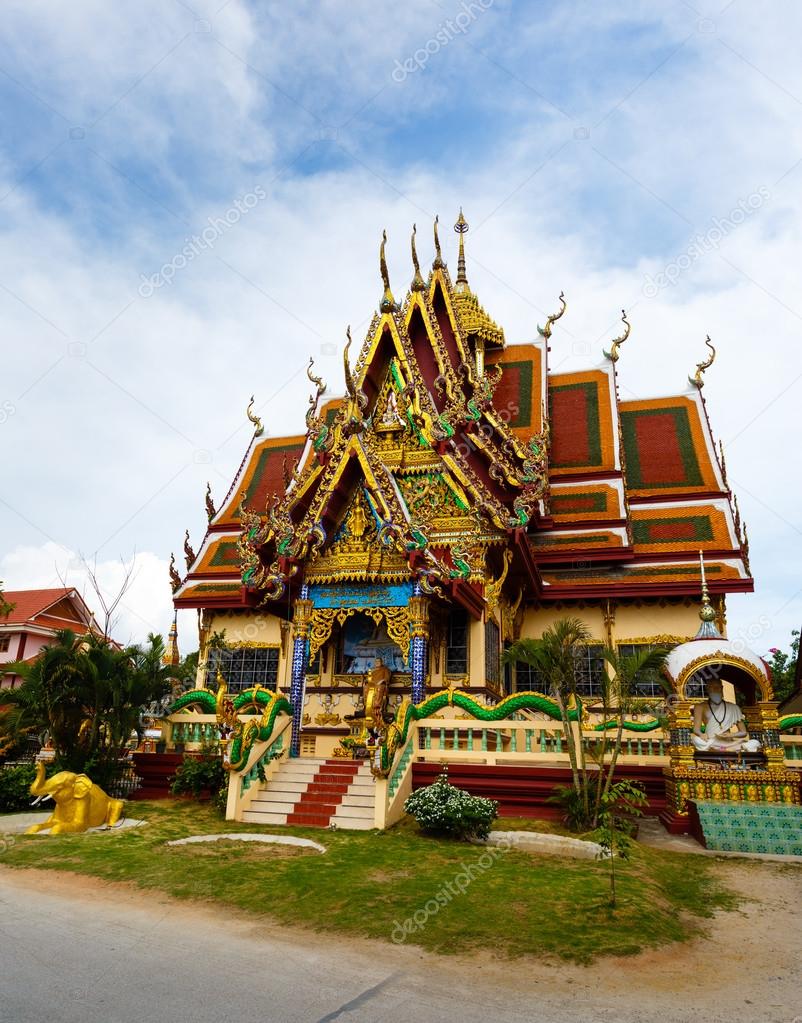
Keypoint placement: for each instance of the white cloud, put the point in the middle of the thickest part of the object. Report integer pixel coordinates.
(145, 607)
(109, 446)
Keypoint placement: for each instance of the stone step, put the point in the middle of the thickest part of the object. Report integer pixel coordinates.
(359, 800)
(349, 810)
(271, 806)
(353, 823)
(262, 817)
(308, 820)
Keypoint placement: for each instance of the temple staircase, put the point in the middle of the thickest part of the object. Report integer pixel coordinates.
(768, 828)
(316, 793)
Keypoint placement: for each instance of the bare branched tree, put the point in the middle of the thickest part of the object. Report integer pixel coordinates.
(108, 601)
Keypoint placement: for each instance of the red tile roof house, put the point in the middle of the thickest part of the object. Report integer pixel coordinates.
(34, 620)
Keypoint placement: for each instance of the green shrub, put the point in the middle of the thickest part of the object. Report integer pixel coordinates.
(15, 788)
(200, 775)
(444, 809)
(577, 807)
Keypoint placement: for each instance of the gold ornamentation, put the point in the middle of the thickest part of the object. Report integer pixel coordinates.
(388, 304)
(323, 620)
(719, 657)
(438, 263)
(696, 379)
(493, 586)
(327, 718)
(175, 578)
(210, 509)
(545, 332)
(418, 283)
(189, 553)
(257, 422)
(302, 619)
(612, 355)
(418, 617)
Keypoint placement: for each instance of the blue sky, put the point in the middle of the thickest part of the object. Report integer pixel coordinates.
(588, 144)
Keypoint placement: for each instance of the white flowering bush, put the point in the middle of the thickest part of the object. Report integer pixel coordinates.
(442, 808)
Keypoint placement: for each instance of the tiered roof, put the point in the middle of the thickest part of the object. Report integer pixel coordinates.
(455, 459)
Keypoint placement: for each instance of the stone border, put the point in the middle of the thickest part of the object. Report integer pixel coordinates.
(542, 842)
(250, 836)
(18, 824)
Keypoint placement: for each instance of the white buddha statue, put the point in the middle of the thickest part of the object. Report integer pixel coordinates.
(725, 728)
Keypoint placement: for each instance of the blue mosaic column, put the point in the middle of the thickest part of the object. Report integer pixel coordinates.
(300, 662)
(419, 632)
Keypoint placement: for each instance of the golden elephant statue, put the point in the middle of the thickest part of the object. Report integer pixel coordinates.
(80, 804)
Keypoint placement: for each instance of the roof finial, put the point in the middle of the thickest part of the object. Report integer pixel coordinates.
(438, 263)
(707, 613)
(461, 227)
(257, 422)
(696, 379)
(545, 332)
(418, 283)
(210, 509)
(349, 380)
(612, 355)
(189, 553)
(388, 302)
(175, 578)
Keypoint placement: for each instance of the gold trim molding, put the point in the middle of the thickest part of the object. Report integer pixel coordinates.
(709, 660)
(323, 620)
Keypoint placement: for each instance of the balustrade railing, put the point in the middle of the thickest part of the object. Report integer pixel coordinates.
(526, 740)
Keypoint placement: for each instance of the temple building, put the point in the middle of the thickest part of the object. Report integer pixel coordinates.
(460, 495)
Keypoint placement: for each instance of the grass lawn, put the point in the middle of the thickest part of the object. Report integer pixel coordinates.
(370, 882)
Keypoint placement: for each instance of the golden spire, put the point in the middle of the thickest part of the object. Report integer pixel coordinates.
(545, 332)
(707, 613)
(418, 283)
(257, 422)
(210, 509)
(438, 263)
(612, 355)
(388, 302)
(696, 379)
(171, 656)
(461, 227)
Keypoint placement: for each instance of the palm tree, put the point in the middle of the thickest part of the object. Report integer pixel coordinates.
(620, 696)
(555, 656)
(87, 692)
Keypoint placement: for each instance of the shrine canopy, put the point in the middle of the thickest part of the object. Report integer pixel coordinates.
(461, 465)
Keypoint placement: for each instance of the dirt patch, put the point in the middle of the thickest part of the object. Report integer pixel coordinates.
(241, 851)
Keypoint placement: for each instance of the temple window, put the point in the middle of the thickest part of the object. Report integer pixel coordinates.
(589, 670)
(492, 653)
(528, 679)
(649, 684)
(243, 667)
(457, 642)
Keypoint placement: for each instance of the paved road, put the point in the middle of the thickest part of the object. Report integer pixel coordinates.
(114, 956)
